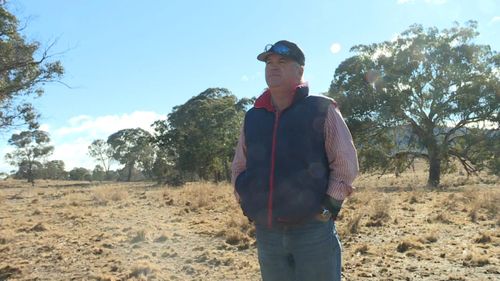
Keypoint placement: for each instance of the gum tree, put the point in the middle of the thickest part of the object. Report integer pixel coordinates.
(24, 68)
(429, 93)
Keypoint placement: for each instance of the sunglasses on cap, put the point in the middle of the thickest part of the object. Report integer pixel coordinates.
(278, 48)
(283, 48)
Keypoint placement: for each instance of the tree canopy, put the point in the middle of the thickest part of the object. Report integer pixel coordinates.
(201, 134)
(31, 147)
(24, 68)
(422, 95)
(132, 148)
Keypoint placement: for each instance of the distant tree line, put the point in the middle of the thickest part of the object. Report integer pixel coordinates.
(428, 94)
(196, 142)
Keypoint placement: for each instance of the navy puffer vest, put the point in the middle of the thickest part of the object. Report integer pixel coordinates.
(287, 172)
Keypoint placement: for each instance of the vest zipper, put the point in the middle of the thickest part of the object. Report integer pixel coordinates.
(271, 176)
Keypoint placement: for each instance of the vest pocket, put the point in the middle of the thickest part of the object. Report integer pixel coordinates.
(253, 197)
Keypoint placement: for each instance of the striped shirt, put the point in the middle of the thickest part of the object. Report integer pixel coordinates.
(340, 150)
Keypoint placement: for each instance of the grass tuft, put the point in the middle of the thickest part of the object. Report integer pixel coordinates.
(140, 236)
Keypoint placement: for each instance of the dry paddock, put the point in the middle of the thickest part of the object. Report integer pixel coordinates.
(392, 228)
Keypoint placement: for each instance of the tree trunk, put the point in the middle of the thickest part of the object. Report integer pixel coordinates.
(31, 175)
(434, 170)
(130, 168)
(227, 168)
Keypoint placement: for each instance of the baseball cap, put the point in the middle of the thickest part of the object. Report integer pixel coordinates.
(283, 48)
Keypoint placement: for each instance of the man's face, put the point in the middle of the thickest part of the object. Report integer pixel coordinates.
(282, 71)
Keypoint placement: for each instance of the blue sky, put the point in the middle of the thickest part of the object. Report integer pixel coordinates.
(129, 62)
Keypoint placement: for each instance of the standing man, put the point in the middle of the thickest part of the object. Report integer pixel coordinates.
(293, 167)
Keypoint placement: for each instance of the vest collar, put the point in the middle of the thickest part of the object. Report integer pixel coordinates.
(265, 101)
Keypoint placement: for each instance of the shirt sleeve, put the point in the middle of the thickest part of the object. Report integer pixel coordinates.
(341, 153)
(239, 161)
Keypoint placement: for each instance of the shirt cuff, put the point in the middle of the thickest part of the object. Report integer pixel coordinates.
(339, 190)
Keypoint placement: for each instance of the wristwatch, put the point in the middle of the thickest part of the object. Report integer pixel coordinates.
(326, 214)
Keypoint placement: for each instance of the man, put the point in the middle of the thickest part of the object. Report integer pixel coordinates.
(293, 167)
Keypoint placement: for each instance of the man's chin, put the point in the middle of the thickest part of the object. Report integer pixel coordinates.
(272, 83)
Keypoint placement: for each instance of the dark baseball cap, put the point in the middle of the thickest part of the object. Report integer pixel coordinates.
(283, 48)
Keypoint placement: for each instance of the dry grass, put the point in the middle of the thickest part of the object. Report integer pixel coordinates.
(161, 238)
(353, 225)
(391, 228)
(483, 238)
(102, 195)
(6, 236)
(475, 259)
(143, 270)
(195, 197)
(139, 236)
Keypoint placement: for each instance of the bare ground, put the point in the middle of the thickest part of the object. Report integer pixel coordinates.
(391, 229)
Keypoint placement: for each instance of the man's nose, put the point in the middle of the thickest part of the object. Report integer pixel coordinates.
(273, 66)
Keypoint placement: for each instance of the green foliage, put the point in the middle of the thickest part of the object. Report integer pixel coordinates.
(201, 134)
(28, 170)
(478, 148)
(436, 83)
(21, 73)
(53, 170)
(164, 169)
(132, 148)
(31, 146)
(80, 174)
(98, 174)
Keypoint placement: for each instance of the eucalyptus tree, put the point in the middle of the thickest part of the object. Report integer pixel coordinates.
(427, 93)
(200, 135)
(102, 152)
(24, 69)
(31, 148)
(133, 149)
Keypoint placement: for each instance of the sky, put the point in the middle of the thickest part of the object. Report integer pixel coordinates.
(128, 63)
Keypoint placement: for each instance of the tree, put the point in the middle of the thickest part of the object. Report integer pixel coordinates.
(437, 85)
(54, 170)
(164, 170)
(27, 170)
(31, 146)
(202, 133)
(22, 72)
(132, 148)
(102, 152)
(80, 174)
(98, 174)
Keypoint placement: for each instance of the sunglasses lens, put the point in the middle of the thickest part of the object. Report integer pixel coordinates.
(281, 49)
(277, 48)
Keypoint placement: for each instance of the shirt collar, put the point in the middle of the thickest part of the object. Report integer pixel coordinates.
(265, 101)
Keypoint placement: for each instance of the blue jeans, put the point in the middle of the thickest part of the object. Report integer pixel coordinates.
(311, 251)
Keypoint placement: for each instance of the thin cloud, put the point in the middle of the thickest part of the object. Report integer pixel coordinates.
(74, 154)
(71, 142)
(495, 19)
(106, 125)
(4, 166)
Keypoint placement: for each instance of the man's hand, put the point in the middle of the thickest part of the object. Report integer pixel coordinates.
(333, 205)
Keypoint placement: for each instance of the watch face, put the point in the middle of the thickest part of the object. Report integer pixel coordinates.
(324, 216)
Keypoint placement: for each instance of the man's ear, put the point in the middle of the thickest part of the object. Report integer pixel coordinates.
(300, 70)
